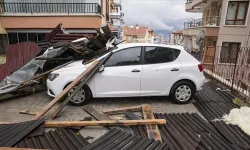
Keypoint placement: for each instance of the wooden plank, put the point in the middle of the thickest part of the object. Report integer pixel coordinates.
(91, 71)
(152, 130)
(122, 110)
(66, 90)
(60, 124)
(98, 116)
(12, 148)
(132, 116)
(90, 110)
(138, 130)
(28, 112)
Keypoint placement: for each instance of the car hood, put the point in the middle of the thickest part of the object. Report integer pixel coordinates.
(75, 67)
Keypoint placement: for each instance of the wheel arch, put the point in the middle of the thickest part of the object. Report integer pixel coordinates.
(188, 80)
(91, 94)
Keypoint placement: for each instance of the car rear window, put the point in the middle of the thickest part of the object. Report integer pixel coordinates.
(155, 55)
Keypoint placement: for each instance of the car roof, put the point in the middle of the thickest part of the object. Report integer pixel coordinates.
(127, 45)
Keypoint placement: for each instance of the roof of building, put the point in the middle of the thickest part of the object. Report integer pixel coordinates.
(134, 30)
(178, 32)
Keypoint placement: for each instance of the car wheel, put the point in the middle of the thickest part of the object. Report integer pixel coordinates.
(82, 97)
(182, 92)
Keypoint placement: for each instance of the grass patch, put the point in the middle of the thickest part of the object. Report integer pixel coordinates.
(240, 102)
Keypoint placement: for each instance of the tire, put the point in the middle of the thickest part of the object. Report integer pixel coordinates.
(82, 97)
(182, 92)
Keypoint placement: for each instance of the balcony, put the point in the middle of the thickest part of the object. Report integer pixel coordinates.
(50, 8)
(203, 22)
(196, 5)
(115, 15)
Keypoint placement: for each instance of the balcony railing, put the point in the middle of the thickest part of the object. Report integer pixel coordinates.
(203, 22)
(189, 1)
(68, 8)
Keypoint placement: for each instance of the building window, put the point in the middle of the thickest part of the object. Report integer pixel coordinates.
(32, 37)
(22, 37)
(41, 36)
(229, 51)
(125, 57)
(12, 38)
(154, 55)
(237, 12)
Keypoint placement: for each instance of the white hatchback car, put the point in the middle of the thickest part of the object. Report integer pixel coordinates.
(135, 70)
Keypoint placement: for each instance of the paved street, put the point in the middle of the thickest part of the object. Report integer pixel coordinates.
(9, 109)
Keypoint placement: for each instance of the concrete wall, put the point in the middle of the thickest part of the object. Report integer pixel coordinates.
(233, 33)
(30, 22)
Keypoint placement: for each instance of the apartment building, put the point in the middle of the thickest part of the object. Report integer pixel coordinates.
(137, 34)
(223, 34)
(116, 17)
(32, 19)
(176, 38)
(223, 22)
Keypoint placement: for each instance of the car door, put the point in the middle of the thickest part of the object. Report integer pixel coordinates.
(121, 76)
(160, 69)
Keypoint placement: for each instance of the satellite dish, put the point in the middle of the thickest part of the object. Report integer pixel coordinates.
(200, 38)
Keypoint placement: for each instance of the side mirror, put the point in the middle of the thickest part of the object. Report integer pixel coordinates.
(101, 69)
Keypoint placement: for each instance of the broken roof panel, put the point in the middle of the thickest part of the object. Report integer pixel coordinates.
(117, 139)
(10, 134)
(60, 139)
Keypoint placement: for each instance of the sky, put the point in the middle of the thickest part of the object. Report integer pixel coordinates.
(157, 14)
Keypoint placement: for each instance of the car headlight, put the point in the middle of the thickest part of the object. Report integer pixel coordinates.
(52, 76)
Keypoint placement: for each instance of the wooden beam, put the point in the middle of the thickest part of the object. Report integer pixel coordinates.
(122, 110)
(98, 116)
(90, 110)
(28, 112)
(66, 90)
(60, 124)
(152, 130)
(12, 148)
(91, 71)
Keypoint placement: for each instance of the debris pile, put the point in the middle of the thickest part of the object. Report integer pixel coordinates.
(32, 76)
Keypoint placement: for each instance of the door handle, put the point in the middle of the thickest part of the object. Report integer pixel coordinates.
(174, 69)
(135, 70)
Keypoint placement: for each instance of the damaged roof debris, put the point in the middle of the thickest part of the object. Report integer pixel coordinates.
(61, 52)
(147, 131)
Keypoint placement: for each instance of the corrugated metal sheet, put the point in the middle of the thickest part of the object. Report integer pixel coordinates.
(56, 30)
(183, 131)
(69, 37)
(117, 139)
(212, 93)
(213, 142)
(233, 134)
(191, 132)
(10, 134)
(212, 110)
(17, 55)
(213, 103)
(60, 139)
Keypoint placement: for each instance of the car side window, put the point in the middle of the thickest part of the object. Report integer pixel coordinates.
(125, 57)
(154, 55)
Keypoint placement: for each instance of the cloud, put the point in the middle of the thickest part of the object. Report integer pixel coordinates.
(157, 14)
